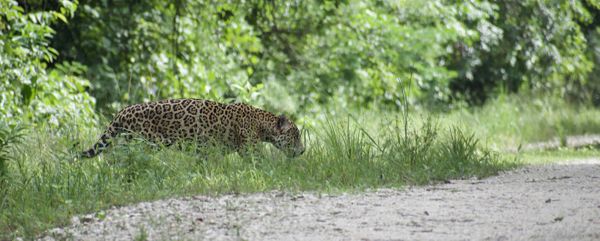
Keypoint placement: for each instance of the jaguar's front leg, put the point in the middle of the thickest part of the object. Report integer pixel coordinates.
(247, 148)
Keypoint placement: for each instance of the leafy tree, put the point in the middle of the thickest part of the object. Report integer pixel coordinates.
(301, 55)
(140, 51)
(532, 45)
(28, 90)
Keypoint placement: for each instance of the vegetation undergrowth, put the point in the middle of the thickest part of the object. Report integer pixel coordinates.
(45, 185)
(512, 120)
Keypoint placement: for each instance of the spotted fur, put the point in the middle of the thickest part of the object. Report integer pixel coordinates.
(233, 125)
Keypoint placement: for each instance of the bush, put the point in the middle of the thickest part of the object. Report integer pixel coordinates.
(29, 91)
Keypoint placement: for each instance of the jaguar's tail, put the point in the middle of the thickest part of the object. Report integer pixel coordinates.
(102, 144)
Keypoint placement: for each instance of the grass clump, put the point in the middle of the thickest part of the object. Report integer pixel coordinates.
(10, 136)
(427, 154)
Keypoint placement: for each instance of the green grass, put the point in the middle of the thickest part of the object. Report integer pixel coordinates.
(558, 155)
(42, 185)
(45, 185)
(512, 120)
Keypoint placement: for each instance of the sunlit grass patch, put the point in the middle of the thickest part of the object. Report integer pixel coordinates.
(512, 120)
(563, 155)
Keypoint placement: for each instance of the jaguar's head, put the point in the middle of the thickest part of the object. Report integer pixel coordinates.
(286, 137)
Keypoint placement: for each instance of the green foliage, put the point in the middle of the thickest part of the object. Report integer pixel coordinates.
(590, 88)
(532, 46)
(10, 136)
(353, 53)
(28, 90)
(139, 51)
(294, 56)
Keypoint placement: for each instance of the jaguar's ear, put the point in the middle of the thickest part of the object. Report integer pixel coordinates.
(283, 123)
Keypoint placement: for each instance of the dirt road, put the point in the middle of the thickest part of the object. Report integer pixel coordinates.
(549, 202)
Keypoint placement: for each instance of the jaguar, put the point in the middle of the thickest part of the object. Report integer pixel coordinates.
(235, 126)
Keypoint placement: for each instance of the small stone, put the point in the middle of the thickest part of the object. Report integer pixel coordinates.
(87, 219)
(75, 220)
(295, 198)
